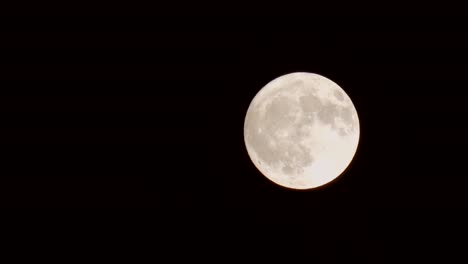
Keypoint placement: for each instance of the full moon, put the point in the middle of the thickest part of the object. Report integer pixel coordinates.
(301, 130)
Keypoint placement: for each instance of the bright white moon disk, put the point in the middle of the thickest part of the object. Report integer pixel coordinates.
(301, 130)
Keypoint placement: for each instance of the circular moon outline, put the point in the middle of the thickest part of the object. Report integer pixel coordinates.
(301, 154)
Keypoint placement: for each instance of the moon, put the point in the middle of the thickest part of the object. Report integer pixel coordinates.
(301, 130)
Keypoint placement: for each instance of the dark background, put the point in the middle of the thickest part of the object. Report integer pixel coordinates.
(145, 112)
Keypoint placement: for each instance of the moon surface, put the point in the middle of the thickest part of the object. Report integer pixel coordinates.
(301, 130)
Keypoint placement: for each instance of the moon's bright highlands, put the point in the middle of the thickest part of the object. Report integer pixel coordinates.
(301, 130)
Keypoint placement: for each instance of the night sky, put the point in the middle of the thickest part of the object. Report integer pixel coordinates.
(144, 112)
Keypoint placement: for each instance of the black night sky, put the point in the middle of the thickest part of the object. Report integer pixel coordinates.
(145, 112)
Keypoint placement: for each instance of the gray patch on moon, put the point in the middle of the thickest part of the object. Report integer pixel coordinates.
(342, 132)
(278, 114)
(327, 114)
(269, 146)
(310, 103)
(301, 130)
(346, 113)
(288, 169)
(339, 95)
